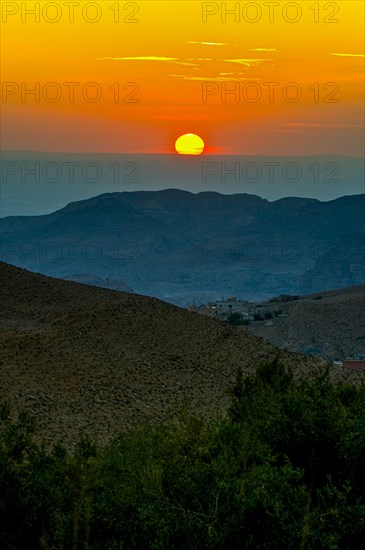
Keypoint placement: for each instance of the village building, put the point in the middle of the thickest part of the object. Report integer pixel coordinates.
(221, 309)
(354, 364)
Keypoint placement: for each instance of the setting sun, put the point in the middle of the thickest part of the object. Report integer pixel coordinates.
(189, 144)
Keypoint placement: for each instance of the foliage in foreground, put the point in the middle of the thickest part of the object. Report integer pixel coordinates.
(285, 470)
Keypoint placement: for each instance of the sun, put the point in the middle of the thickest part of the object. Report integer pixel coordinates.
(189, 144)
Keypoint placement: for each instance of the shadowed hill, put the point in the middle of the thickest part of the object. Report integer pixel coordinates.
(177, 245)
(91, 360)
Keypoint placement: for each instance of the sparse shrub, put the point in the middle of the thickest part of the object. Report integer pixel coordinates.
(236, 319)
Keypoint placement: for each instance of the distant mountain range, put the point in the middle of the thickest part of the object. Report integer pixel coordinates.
(37, 183)
(181, 246)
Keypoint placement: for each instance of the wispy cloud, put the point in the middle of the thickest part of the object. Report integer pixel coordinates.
(189, 61)
(230, 44)
(210, 78)
(246, 62)
(262, 50)
(162, 59)
(348, 54)
(139, 58)
(323, 125)
(210, 43)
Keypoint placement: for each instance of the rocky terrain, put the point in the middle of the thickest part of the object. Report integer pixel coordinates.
(332, 327)
(90, 360)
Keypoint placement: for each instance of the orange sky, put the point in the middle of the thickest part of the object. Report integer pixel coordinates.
(179, 67)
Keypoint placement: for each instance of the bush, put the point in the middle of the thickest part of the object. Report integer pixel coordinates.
(284, 469)
(236, 319)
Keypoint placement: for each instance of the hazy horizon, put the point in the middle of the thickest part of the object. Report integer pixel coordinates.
(40, 183)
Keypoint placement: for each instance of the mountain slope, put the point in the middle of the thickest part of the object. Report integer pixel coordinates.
(333, 326)
(86, 359)
(342, 265)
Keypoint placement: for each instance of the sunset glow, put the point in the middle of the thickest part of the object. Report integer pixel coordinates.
(128, 79)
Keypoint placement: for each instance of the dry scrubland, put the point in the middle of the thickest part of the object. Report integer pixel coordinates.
(335, 325)
(94, 361)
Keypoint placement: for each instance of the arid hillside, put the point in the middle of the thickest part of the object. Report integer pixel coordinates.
(332, 326)
(90, 360)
